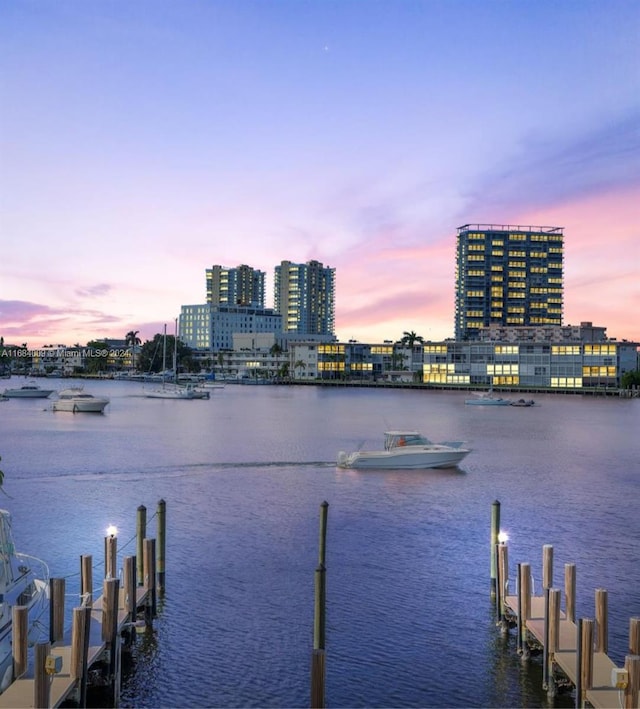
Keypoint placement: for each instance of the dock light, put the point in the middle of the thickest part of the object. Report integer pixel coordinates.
(503, 537)
(112, 530)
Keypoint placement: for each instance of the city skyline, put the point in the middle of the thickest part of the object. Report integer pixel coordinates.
(142, 142)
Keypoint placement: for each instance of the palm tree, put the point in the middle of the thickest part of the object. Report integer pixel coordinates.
(132, 339)
(410, 338)
(300, 364)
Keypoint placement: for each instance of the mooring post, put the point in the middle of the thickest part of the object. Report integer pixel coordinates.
(524, 592)
(20, 639)
(503, 576)
(634, 636)
(602, 622)
(130, 586)
(570, 591)
(554, 637)
(150, 579)
(110, 556)
(318, 655)
(547, 582)
(42, 684)
(56, 609)
(80, 632)
(578, 695)
(161, 544)
(495, 531)
(586, 664)
(632, 690)
(141, 534)
(322, 546)
(86, 580)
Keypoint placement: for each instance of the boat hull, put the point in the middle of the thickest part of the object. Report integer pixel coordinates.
(97, 406)
(399, 459)
(488, 402)
(28, 393)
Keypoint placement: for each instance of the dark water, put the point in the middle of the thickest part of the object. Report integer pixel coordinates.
(409, 619)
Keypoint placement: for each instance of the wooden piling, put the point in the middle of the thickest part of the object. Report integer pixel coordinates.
(110, 590)
(56, 609)
(586, 658)
(634, 636)
(318, 659)
(495, 531)
(149, 564)
(86, 580)
(80, 632)
(41, 685)
(524, 608)
(161, 545)
(129, 584)
(554, 637)
(141, 534)
(503, 579)
(322, 545)
(570, 591)
(632, 690)
(547, 566)
(318, 671)
(110, 557)
(602, 622)
(20, 639)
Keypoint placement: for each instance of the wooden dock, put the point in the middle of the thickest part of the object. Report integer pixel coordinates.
(574, 651)
(100, 627)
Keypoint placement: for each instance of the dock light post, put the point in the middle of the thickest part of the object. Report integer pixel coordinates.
(110, 551)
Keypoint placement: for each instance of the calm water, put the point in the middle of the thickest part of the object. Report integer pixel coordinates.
(409, 619)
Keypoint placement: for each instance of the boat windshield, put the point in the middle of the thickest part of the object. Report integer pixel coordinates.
(396, 440)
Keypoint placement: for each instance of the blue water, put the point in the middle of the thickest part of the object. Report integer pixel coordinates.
(409, 618)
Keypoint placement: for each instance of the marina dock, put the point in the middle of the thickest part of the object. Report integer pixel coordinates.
(102, 628)
(574, 651)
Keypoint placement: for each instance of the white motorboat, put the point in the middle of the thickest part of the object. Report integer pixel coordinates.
(77, 400)
(24, 581)
(406, 450)
(487, 399)
(28, 391)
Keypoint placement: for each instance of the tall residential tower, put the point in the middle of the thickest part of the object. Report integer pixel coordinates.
(508, 275)
(235, 286)
(304, 294)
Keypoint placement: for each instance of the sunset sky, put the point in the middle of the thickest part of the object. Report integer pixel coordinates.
(143, 141)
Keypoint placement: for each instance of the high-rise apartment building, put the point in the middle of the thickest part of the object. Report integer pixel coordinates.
(508, 275)
(235, 286)
(304, 294)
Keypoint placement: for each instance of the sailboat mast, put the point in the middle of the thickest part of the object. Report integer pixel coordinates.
(175, 354)
(164, 355)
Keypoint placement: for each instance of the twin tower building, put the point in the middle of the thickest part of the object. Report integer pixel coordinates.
(304, 305)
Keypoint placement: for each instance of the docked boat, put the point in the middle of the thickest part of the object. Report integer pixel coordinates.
(77, 400)
(176, 391)
(487, 399)
(24, 581)
(28, 391)
(406, 450)
(523, 402)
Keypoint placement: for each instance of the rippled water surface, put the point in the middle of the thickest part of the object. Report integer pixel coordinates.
(409, 619)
